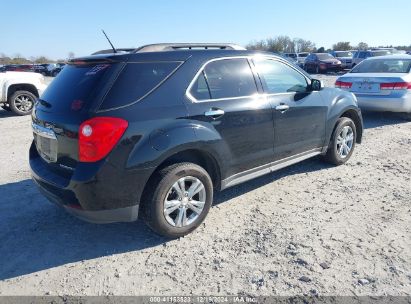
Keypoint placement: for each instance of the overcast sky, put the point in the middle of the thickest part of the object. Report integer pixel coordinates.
(54, 28)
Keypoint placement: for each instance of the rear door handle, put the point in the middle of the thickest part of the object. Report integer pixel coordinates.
(214, 113)
(282, 108)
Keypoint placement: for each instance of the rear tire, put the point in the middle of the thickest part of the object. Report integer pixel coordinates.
(168, 204)
(342, 142)
(22, 102)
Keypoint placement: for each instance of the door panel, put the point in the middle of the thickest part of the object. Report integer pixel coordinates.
(224, 98)
(299, 113)
(301, 128)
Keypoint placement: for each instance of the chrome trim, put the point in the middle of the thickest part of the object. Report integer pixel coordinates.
(252, 66)
(42, 131)
(268, 168)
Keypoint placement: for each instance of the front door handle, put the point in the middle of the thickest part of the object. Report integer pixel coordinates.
(214, 113)
(282, 108)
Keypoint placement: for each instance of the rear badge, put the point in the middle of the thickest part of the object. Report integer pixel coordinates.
(76, 105)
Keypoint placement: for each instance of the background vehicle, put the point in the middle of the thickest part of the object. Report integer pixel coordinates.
(361, 55)
(381, 83)
(56, 69)
(321, 63)
(301, 58)
(19, 90)
(156, 130)
(345, 57)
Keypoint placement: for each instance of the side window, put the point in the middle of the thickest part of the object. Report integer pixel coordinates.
(361, 55)
(230, 78)
(200, 90)
(280, 78)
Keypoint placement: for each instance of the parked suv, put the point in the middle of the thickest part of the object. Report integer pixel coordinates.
(153, 132)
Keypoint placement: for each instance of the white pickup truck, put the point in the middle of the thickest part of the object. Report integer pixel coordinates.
(19, 90)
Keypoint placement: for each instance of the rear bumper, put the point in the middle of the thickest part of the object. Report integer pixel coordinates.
(384, 103)
(98, 193)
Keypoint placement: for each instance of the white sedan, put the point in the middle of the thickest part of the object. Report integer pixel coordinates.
(381, 83)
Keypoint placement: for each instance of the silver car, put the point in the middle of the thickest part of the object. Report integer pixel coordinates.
(381, 83)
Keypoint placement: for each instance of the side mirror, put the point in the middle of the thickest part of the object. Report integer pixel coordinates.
(316, 85)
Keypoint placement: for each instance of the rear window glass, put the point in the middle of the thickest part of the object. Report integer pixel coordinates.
(76, 86)
(136, 81)
(324, 56)
(230, 78)
(383, 66)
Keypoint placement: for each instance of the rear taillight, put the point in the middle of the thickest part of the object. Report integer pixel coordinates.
(396, 86)
(98, 136)
(343, 85)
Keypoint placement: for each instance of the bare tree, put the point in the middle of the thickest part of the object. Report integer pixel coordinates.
(362, 46)
(71, 55)
(342, 46)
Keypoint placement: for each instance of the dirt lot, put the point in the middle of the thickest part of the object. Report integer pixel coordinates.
(308, 229)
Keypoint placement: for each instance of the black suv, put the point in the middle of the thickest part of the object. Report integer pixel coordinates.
(151, 132)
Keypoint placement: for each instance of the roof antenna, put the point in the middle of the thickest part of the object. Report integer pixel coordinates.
(112, 46)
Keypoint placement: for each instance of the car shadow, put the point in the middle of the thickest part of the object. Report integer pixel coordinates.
(379, 119)
(6, 114)
(36, 235)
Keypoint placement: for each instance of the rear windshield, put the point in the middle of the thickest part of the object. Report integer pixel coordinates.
(380, 53)
(136, 81)
(76, 86)
(303, 54)
(383, 66)
(343, 54)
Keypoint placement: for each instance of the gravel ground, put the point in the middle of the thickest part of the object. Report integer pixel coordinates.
(307, 229)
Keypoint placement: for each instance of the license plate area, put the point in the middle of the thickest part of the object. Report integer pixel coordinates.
(46, 143)
(368, 87)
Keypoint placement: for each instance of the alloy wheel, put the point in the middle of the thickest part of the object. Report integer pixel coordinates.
(184, 201)
(24, 103)
(345, 141)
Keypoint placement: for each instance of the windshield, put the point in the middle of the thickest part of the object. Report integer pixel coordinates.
(343, 54)
(302, 54)
(325, 56)
(383, 66)
(291, 55)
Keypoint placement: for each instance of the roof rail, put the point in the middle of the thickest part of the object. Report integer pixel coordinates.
(161, 47)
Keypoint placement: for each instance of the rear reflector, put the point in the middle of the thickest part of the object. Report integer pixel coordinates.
(98, 136)
(396, 86)
(343, 85)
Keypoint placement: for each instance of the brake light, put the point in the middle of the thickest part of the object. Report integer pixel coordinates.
(396, 86)
(98, 136)
(343, 85)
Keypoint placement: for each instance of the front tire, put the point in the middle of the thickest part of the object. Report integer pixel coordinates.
(342, 142)
(22, 102)
(178, 199)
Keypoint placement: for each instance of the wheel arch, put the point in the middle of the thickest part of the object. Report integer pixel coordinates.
(356, 118)
(12, 88)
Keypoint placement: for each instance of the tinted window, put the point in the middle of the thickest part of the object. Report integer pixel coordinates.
(230, 78)
(383, 66)
(199, 90)
(280, 78)
(77, 84)
(137, 80)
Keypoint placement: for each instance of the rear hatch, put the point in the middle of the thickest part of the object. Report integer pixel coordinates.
(83, 88)
(68, 101)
